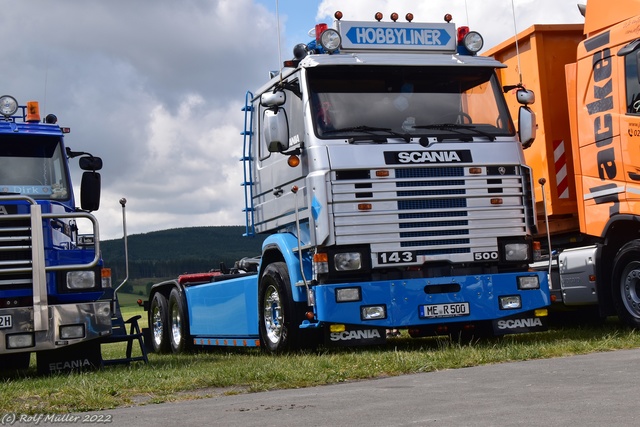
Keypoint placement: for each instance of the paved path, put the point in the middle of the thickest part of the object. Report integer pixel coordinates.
(599, 389)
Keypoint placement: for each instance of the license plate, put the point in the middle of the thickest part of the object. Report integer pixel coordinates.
(5, 321)
(455, 309)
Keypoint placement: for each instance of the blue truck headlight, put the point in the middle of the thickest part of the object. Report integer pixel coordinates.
(68, 332)
(516, 252)
(510, 302)
(348, 294)
(373, 312)
(528, 282)
(20, 340)
(81, 279)
(347, 261)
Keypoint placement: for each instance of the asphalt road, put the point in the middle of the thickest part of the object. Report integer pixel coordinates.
(599, 389)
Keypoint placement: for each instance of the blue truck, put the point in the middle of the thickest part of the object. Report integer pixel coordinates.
(383, 168)
(54, 298)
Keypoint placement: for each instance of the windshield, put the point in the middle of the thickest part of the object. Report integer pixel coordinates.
(33, 166)
(387, 102)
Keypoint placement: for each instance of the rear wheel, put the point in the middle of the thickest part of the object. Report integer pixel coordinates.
(626, 284)
(159, 323)
(179, 335)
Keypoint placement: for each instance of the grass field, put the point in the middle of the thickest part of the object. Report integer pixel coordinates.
(231, 371)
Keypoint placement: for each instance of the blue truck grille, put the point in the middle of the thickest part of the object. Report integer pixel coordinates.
(15, 252)
(433, 211)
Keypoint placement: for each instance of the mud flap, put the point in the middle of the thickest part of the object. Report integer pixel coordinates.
(78, 357)
(519, 324)
(355, 335)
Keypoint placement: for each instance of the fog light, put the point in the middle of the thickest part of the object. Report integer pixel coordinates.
(347, 261)
(348, 294)
(510, 302)
(20, 340)
(516, 252)
(373, 312)
(528, 282)
(337, 328)
(81, 279)
(71, 331)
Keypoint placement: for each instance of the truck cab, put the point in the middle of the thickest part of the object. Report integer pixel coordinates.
(52, 284)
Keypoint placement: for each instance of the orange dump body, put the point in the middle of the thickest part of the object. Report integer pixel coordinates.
(543, 52)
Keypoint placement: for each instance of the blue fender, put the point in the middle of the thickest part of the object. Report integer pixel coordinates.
(285, 243)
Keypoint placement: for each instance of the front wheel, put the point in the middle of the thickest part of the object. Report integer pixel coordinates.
(626, 284)
(278, 328)
(159, 323)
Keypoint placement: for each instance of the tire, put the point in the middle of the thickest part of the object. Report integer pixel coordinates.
(626, 284)
(178, 323)
(14, 361)
(278, 322)
(159, 323)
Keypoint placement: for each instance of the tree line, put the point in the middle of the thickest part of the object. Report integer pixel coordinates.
(169, 253)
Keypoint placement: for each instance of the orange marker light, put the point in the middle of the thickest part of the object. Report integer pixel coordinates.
(378, 16)
(293, 161)
(394, 17)
(382, 173)
(33, 111)
(409, 17)
(338, 15)
(364, 206)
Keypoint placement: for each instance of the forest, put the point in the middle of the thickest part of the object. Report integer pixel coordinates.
(168, 253)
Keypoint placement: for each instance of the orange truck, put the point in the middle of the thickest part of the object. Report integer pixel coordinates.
(586, 156)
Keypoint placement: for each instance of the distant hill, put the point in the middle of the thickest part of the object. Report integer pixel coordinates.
(168, 253)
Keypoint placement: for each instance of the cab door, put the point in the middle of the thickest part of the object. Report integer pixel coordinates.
(280, 134)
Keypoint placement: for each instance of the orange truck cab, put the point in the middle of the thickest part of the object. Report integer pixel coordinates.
(586, 156)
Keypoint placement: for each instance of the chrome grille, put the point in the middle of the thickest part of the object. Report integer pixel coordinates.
(434, 211)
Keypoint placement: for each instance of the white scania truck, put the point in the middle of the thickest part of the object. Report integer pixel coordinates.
(385, 169)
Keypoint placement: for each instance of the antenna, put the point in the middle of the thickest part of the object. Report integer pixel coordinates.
(515, 30)
(466, 9)
(278, 27)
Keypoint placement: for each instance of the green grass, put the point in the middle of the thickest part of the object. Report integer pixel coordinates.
(231, 371)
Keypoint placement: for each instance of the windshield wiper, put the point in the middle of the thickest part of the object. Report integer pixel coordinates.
(454, 127)
(371, 131)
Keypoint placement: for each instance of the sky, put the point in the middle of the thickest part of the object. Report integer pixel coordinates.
(156, 87)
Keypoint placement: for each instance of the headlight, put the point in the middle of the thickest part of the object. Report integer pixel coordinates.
(516, 252)
(373, 312)
(330, 40)
(473, 42)
(510, 302)
(348, 294)
(347, 261)
(71, 332)
(8, 105)
(528, 282)
(81, 279)
(20, 340)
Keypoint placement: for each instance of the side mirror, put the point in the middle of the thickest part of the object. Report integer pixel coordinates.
(90, 163)
(273, 99)
(90, 191)
(526, 126)
(525, 96)
(275, 130)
